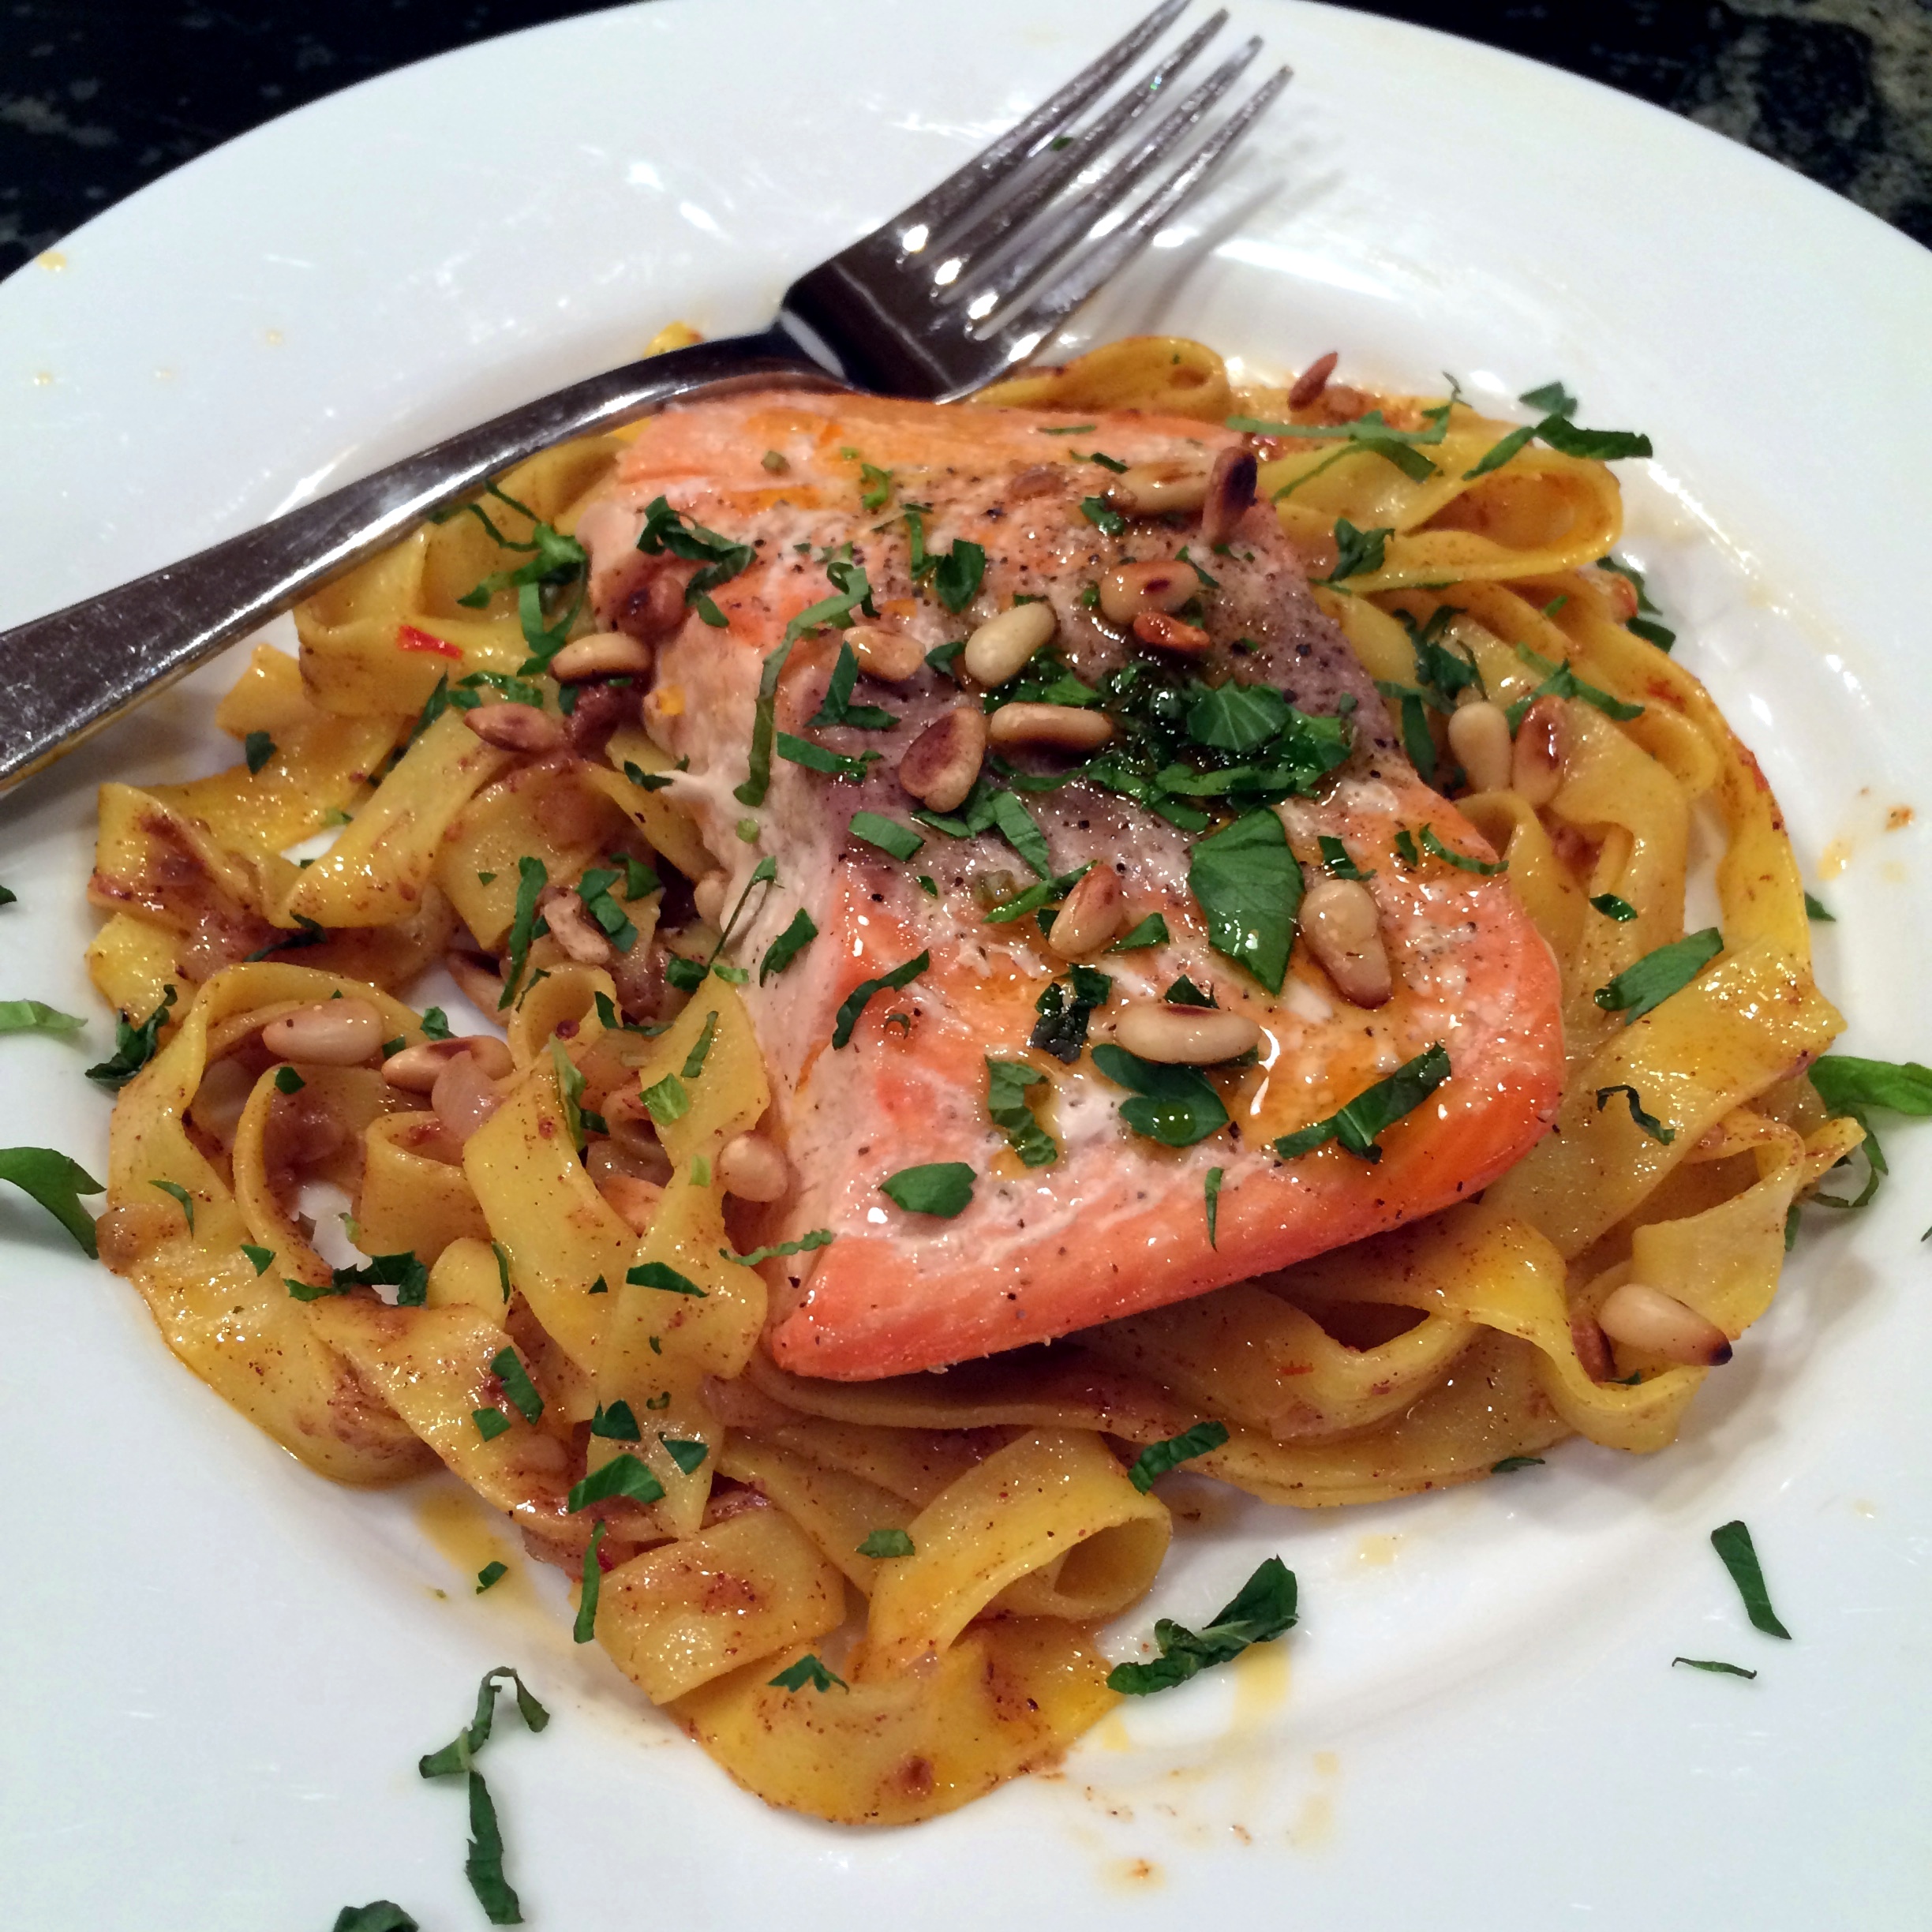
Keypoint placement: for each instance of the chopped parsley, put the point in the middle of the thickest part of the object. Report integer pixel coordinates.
(33, 1016)
(1358, 552)
(1151, 931)
(665, 528)
(1249, 886)
(623, 1475)
(615, 1423)
(687, 1455)
(508, 1367)
(838, 708)
(886, 1544)
(1211, 1190)
(182, 1195)
(1814, 909)
(489, 1575)
(1560, 681)
(594, 889)
(257, 748)
(1063, 1011)
(490, 1423)
(660, 1275)
(1336, 862)
(1612, 908)
(889, 836)
(1851, 1086)
(585, 1628)
(788, 945)
(1103, 516)
(532, 877)
(808, 1670)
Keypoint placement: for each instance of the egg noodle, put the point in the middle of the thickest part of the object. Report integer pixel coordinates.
(982, 1523)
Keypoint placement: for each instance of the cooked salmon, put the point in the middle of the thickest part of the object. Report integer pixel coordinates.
(1114, 1221)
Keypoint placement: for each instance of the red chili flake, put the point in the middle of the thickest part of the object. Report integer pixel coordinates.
(409, 639)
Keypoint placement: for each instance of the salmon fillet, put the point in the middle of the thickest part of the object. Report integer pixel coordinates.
(1118, 1222)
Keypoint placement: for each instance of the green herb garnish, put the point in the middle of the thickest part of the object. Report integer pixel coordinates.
(855, 1001)
(1007, 1082)
(1157, 1459)
(1612, 908)
(1649, 1122)
(57, 1183)
(623, 1475)
(1639, 988)
(886, 1544)
(1733, 1542)
(134, 1046)
(1374, 1110)
(1262, 1610)
(808, 1670)
(1176, 1106)
(1248, 884)
(943, 1188)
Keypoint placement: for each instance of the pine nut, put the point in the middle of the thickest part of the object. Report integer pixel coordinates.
(1091, 915)
(888, 655)
(635, 1135)
(1479, 737)
(1129, 590)
(573, 929)
(1184, 1035)
(752, 1166)
(654, 606)
(942, 762)
(482, 986)
(1312, 380)
(1065, 728)
(1535, 766)
(635, 1200)
(1001, 647)
(1617, 590)
(415, 1068)
(1647, 1320)
(1169, 634)
(516, 727)
(343, 1032)
(1154, 488)
(1344, 934)
(1231, 491)
(216, 1108)
(603, 654)
(708, 896)
(464, 1096)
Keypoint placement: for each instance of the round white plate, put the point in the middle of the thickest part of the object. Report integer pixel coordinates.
(223, 1670)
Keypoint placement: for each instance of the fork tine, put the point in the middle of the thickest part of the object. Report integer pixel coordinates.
(1046, 180)
(1082, 218)
(1025, 331)
(965, 189)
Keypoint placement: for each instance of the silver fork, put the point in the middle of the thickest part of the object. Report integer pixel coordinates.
(949, 293)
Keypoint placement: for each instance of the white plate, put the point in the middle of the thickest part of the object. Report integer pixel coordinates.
(222, 1670)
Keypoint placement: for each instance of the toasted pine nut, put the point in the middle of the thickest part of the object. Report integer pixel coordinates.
(1591, 1346)
(1231, 491)
(1479, 737)
(1153, 488)
(1089, 917)
(573, 929)
(635, 1200)
(1618, 590)
(752, 1166)
(1184, 1035)
(603, 654)
(890, 655)
(1647, 1320)
(1129, 590)
(464, 1096)
(1536, 764)
(942, 762)
(481, 986)
(516, 727)
(708, 896)
(343, 1032)
(216, 1108)
(1169, 634)
(1312, 380)
(1066, 728)
(1344, 933)
(415, 1068)
(1001, 647)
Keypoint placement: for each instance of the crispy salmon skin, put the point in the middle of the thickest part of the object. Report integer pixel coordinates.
(1012, 504)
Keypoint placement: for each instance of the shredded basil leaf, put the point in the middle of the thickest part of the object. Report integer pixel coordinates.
(1560, 681)
(659, 1275)
(615, 1423)
(134, 1046)
(1213, 1193)
(1612, 908)
(378, 1915)
(1733, 1542)
(532, 877)
(957, 576)
(508, 1367)
(1157, 1459)
(808, 1670)
(855, 1001)
(788, 945)
(182, 1195)
(1007, 1082)
(943, 1189)
(1176, 1106)
(1714, 1664)
(1552, 399)
(1462, 861)
(1373, 1110)
(818, 759)
(490, 1423)
(489, 1575)
(889, 836)
(257, 748)
(1358, 552)
(1510, 1463)
(687, 1455)
(817, 1238)
(1261, 1610)
(623, 1475)
(57, 1183)
(1639, 988)
(1061, 1027)
(1151, 931)
(585, 1628)
(1249, 886)
(1649, 1122)
(838, 708)
(1099, 512)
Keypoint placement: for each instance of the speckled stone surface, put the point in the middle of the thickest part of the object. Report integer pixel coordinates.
(97, 98)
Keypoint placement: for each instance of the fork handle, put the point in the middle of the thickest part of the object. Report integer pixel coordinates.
(66, 674)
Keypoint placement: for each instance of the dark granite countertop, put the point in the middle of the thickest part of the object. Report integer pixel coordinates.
(97, 98)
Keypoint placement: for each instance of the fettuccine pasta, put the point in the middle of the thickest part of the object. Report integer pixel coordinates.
(874, 1597)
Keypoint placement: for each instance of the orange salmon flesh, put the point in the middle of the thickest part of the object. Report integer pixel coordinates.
(1117, 1222)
